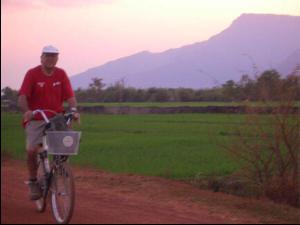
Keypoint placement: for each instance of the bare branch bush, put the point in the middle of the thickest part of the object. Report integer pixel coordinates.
(267, 144)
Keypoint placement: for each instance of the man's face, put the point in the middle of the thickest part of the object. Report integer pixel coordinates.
(49, 60)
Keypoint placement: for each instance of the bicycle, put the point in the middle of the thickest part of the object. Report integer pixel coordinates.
(57, 177)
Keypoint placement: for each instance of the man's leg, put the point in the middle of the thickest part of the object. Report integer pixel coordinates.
(34, 133)
(32, 162)
(32, 165)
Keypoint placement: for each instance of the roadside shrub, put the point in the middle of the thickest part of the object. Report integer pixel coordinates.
(268, 146)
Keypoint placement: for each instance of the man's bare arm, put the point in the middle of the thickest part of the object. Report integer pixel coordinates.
(23, 104)
(72, 102)
(73, 106)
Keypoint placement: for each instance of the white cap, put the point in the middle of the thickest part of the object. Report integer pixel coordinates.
(50, 49)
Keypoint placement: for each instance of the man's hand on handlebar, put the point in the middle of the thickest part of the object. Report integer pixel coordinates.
(73, 115)
(76, 116)
(28, 115)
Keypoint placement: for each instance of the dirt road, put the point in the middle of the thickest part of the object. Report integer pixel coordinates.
(106, 198)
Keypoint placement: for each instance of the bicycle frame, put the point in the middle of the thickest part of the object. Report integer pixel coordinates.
(48, 169)
(50, 174)
(47, 173)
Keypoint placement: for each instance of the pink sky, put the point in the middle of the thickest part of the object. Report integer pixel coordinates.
(90, 33)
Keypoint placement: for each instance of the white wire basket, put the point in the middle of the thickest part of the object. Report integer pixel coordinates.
(62, 142)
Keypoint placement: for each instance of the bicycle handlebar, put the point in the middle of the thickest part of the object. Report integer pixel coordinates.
(69, 116)
(42, 113)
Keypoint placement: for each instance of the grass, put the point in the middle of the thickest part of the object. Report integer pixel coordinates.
(178, 146)
(158, 104)
(172, 104)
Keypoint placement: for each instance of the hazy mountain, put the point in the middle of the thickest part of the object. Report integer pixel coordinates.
(288, 65)
(251, 44)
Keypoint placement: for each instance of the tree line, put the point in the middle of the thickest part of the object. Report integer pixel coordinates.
(246, 88)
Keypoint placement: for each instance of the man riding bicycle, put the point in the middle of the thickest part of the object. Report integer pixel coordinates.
(44, 87)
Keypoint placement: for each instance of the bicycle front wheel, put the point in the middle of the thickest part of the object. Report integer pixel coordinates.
(63, 194)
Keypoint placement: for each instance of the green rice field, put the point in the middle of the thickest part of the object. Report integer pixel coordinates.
(176, 104)
(178, 146)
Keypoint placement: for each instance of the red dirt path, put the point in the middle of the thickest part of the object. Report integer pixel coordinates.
(106, 198)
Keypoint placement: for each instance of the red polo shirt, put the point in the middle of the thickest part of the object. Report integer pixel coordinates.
(46, 92)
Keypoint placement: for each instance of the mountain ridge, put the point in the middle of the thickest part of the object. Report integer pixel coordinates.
(252, 42)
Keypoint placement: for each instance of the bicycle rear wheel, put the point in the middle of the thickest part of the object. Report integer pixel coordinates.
(63, 194)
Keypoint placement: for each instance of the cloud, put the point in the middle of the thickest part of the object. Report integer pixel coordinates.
(28, 4)
(77, 3)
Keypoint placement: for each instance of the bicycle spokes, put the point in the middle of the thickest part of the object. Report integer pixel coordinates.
(62, 194)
